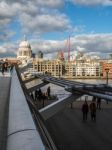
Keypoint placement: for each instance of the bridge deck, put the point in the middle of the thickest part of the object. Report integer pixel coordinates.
(71, 133)
(4, 94)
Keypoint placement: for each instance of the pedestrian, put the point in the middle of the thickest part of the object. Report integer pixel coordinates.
(11, 68)
(44, 98)
(99, 103)
(36, 95)
(94, 99)
(40, 94)
(32, 96)
(3, 68)
(49, 91)
(6, 65)
(85, 110)
(93, 110)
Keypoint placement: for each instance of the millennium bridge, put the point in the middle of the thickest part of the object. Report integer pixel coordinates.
(57, 125)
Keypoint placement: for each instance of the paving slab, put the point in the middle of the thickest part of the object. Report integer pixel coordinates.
(4, 104)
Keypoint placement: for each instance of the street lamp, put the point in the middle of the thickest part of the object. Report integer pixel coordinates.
(107, 71)
(59, 69)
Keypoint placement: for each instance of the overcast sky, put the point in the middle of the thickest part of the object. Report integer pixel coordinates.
(49, 23)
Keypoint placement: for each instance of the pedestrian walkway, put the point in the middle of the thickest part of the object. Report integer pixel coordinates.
(79, 135)
(4, 103)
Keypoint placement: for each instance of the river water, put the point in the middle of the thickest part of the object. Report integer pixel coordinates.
(55, 89)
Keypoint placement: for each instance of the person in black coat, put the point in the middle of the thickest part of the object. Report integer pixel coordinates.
(93, 110)
(3, 68)
(99, 103)
(85, 110)
(36, 95)
(40, 94)
(49, 91)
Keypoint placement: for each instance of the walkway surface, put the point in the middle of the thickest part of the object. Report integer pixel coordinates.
(4, 103)
(69, 132)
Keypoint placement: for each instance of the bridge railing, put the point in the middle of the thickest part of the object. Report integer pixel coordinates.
(26, 129)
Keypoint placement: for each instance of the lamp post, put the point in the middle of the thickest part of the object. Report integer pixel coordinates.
(59, 69)
(107, 71)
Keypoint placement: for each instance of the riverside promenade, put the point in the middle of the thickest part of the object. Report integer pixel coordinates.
(4, 104)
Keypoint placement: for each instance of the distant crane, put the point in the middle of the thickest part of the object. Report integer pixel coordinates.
(68, 47)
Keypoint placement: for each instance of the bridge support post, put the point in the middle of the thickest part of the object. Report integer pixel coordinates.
(107, 72)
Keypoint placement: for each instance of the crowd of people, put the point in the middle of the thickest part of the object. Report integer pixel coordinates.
(94, 105)
(6, 67)
(40, 96)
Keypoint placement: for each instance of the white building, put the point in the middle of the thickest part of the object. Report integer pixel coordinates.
(83, 68)
(24, 51)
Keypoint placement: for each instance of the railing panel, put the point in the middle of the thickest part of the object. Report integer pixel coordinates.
(22, 133)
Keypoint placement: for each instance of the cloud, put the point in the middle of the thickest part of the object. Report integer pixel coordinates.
(39, 17)
(44, 23)
(34, 17)
(93, 43)
(92, 2)
(49, 3)
(5, 35)
(5, 10)
(8, 49)
(98, 44)
(2, 49)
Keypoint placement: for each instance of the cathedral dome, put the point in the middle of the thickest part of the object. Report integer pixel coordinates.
(24, 44)
(24, 50)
